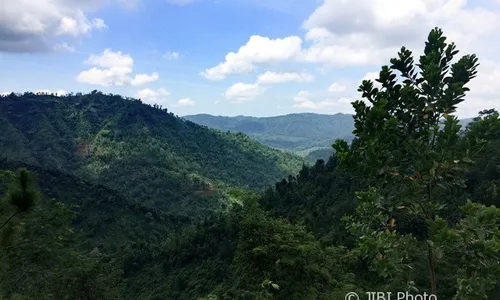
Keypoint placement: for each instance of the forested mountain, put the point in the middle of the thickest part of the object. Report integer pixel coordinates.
(410, 205)
(309, 135)
(301, 132)
(148, 154)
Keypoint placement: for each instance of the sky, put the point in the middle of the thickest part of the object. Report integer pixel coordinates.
(236, 57)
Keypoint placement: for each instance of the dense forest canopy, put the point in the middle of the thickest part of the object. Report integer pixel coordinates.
(299, 133)
(146, 153)
(411, 205)
(308, 135)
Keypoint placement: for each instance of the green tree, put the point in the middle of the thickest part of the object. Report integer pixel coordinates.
(21, 192)
(409, 150)
(278, 260)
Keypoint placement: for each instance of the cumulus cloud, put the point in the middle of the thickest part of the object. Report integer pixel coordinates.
(373, 76)
(141, 79)
(336, 87)
(32, 26)
(370, 76)
(60, 47)
(389, 24)
(99, 24)
(185, 102)
(275, 77)
(242, 92)
(257, 51)
(303, 101)
(361, 32)
(485, 90)
(113, 69)
(302, 96)
(367, 33)
(150, 96)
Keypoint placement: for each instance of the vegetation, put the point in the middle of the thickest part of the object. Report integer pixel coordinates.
(300, 133)
(308, 135)
(411, 205)
(146, 153)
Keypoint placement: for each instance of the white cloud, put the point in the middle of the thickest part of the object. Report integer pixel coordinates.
(110, 59)
(302, 96)
(113, 69)
(484, 92)
(359, 32)
(141, 79)
(171, 55)
(99, 24)
(336, 87)
(274, 77)
(64, 47)
(257, 51)
(242, 92)
(117, 76)
(185, 102)
(344, 54)
(151, 96)
(363, 33)
(303, 101)
(31, 26)
(370, 76)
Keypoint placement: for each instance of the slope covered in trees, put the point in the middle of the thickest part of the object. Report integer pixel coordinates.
(146, 153)
(300, 133)
(410, 206)
(309, 135)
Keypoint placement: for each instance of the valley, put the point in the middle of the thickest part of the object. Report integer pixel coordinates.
(104, 196)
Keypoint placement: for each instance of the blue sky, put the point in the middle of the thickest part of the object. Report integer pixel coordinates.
(238, 57)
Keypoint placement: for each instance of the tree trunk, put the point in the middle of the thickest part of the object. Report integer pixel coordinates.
(432, 269)
(17, 211)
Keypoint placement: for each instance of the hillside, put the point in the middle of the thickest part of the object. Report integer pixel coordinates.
(301, 133)
(309, 135)
(410, 207)
(147, 153)
(101, 212)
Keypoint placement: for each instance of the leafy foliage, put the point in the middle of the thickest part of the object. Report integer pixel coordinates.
(146, 153)
(410, 161)
(300, 133)
(411, 205)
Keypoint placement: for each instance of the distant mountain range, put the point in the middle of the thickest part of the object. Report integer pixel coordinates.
(307, 134)
(301, 133)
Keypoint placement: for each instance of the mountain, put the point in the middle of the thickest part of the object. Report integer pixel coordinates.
(301, 133)
(103, 197)
(309, 135)
(100, 211)
(148, 154)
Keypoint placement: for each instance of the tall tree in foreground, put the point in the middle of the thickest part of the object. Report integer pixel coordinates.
(408, 146)
(21, 192)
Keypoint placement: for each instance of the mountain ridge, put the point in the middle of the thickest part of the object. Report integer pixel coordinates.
(308, 134)
(106, 138)
(301, 133)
